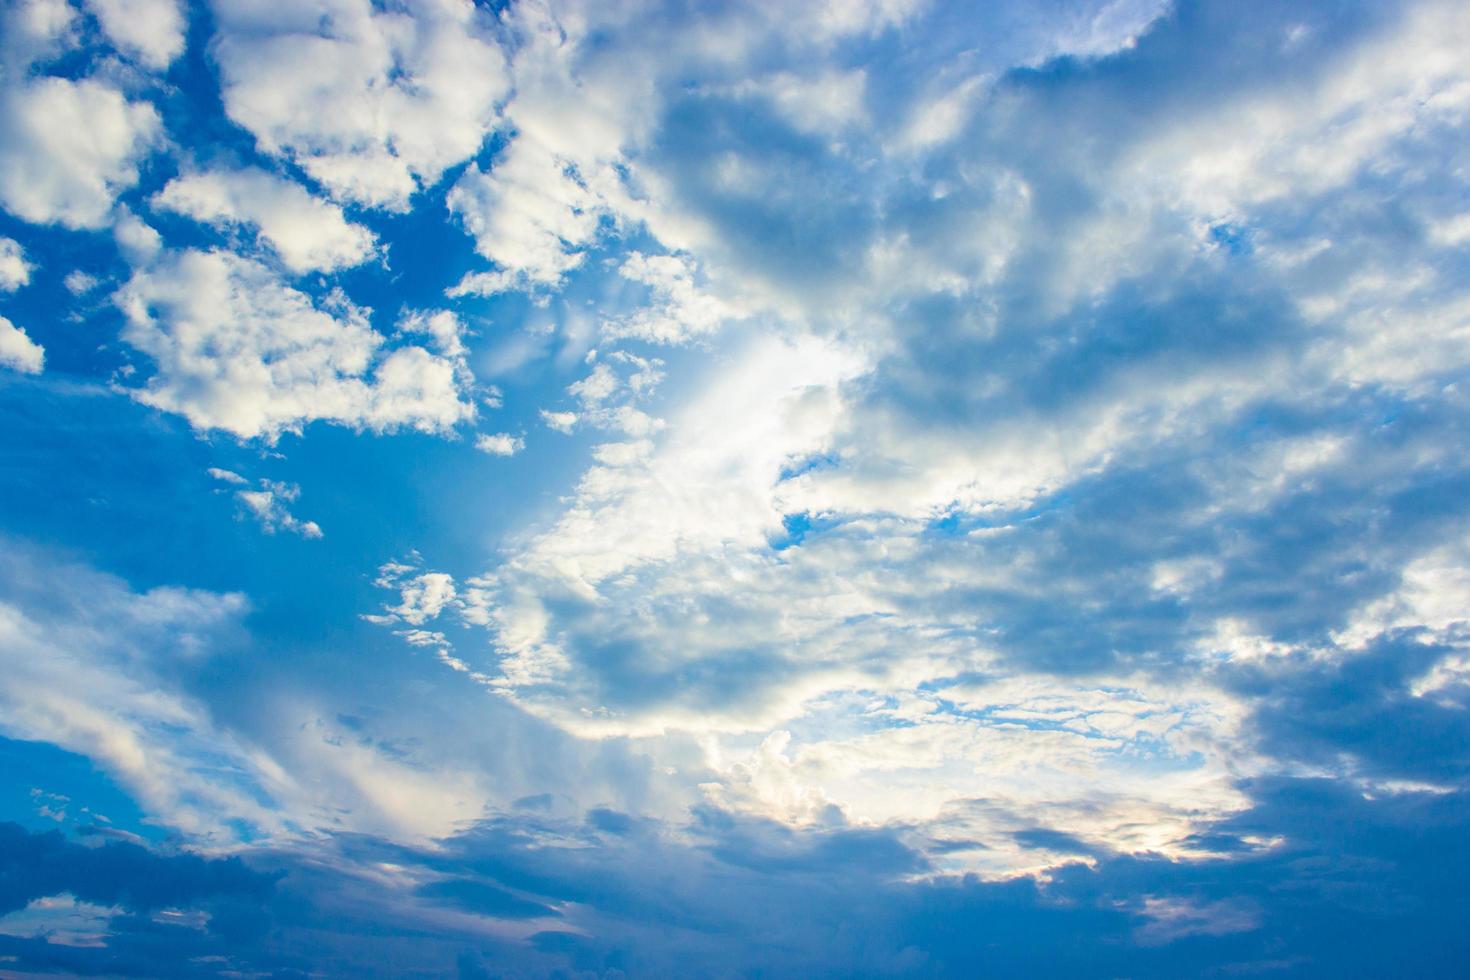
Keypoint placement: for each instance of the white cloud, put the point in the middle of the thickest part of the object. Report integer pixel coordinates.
(530, 214)
(542, 202)
(79, 283)
(824, 104)
(680, 309)
(69, 147)
(238, 350)
(372, 103)
(18, 351)
(88, 666)
(61, 920)
(422, 596)
(96, 668)
(307, 233)
(152, 31)
(136, 239)
(34, 30)
(268, 505)
(500, 444)
(226, 476)
(443, 327)
(609, 395)
(560, 421)
(15, 271)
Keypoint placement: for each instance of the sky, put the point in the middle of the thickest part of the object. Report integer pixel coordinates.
(831, 488)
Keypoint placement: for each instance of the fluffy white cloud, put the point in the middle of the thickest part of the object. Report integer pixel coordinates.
(422, 596)
(80, 283)
(238, 350)
(531, 215)
(15, 271)
(18, 351)
(69, 147)
(562, 422)
(138, 241)
(268, 505)
(152, 31)
(678, 310)
(307, 233)
(442, 327)
(500, 444)
(35, 30)
(372, 103)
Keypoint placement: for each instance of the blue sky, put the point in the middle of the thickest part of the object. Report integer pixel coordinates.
(864, 487)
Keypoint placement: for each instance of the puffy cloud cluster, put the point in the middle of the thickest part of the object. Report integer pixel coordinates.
(372, 103)
(308, 234)
(238, 350)
(18, 351)
(69, 148)
(269, 504)
(15, 271)
(151, 31)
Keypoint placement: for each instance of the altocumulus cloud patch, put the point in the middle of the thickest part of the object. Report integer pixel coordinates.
(845, 488)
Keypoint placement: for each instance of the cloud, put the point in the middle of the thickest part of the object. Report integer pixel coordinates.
(372, 104)
(80, 283)
(15, 271)
(422, 597)
(992, 503)
(238, 350)
(268, 506)
(307, 234)
(562, 422)
(71, 146)
(500, 444)
(530, 214)
(151, 31)
(679, 310)
(18, 351)
(443, 327)
(86, 667)
(1031, 540)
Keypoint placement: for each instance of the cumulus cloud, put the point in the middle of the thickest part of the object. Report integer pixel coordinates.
(80, 283)
(18, 351)
(152, 31)
(70, 147)
(371, 103)
(562, 422)
(679, 309)
(422, 596)
(238, 350)
(500, 444)
(308, 234)
(444, 329)
(269, 505)
(15, 271)
(530, 214)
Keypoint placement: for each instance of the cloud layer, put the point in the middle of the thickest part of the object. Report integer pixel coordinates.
(852, 487)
